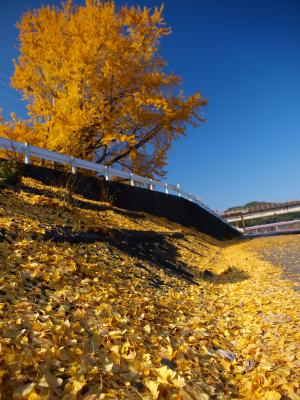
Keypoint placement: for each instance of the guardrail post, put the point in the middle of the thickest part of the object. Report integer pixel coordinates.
(26, 153)
(150, 184)
(178, 189)
(166, 188)
(73, 166)
(106, 173)
(131, 179)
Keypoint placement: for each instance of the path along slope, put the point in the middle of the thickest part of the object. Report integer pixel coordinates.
(102, 303)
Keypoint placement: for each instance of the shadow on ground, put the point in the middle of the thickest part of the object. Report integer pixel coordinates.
(153, 250)
(153, 247)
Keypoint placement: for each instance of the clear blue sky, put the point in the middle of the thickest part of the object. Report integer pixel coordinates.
(244, 57)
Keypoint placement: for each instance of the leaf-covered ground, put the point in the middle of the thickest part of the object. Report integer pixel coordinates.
(283, 251)
(135, 307)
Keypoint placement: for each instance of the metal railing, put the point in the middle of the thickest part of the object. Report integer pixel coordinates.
(260, 208)
(108, 172)
(272, 225)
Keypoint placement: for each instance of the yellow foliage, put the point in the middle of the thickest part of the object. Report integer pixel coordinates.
(96, 86)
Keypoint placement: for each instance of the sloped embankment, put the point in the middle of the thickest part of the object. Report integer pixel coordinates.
(174, 208)
(97, 302)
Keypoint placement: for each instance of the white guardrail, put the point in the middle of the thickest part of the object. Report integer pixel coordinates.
(108, 172)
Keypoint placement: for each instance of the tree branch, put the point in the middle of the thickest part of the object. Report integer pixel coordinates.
(104, 153)
(136, 146)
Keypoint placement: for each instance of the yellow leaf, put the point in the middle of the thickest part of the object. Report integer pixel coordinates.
(272, 395)
(165, 374)
(77, 385)
(48, 308)
(152, 386)
(25, 390)
(108, 367)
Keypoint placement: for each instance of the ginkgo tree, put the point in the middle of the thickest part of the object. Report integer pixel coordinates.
(96, 85)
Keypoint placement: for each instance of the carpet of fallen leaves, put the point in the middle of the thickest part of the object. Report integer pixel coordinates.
(156, 316)
(282, 250)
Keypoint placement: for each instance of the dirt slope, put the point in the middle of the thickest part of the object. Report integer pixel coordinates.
(101, 303)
